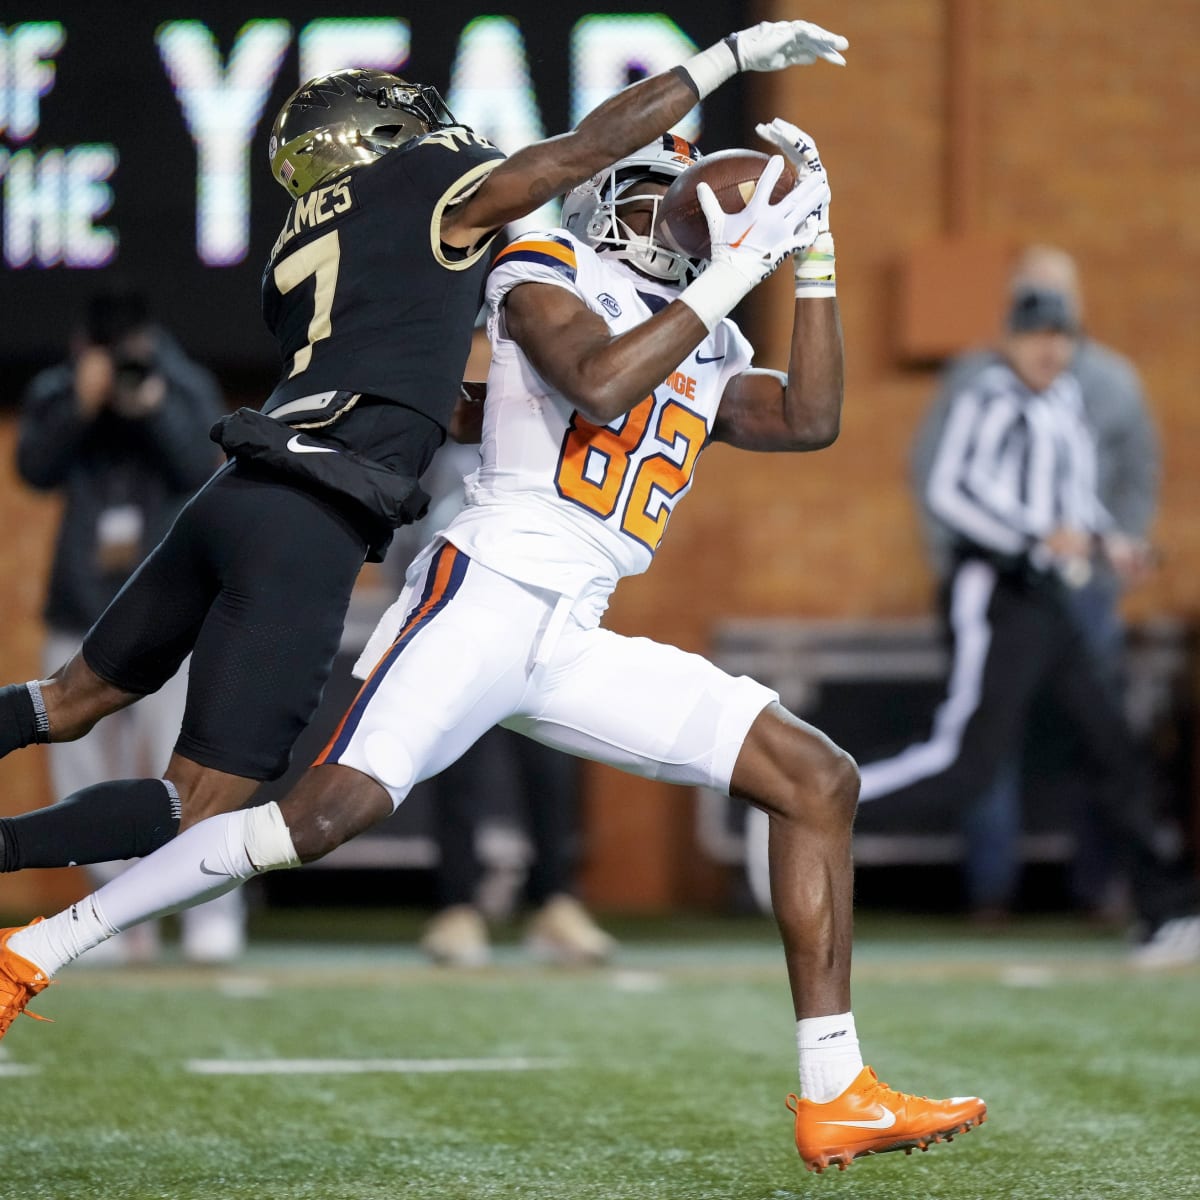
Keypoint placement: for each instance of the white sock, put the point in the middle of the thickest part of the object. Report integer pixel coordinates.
(829, 1056)
(56, 941)
(205, 861)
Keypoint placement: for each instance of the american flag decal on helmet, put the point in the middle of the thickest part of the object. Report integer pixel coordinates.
(287, 171)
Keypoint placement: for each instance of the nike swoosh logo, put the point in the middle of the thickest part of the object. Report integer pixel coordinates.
(206, 870)
(715, 358)
(296, 446)
(735, 245)
(885, 1120)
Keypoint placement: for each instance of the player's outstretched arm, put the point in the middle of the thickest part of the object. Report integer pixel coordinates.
(629, 120)
(763, 410)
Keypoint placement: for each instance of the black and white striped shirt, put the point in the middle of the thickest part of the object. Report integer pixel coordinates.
(1013, 464)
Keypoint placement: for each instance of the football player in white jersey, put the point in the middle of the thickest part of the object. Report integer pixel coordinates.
(614, 364)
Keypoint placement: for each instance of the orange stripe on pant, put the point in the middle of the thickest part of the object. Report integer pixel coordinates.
(446, 559)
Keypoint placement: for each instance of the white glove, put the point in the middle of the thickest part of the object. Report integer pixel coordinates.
(759, 237)
(748, 245)
(794, 144)
(773, 45)
(816, 266)
(767, 46)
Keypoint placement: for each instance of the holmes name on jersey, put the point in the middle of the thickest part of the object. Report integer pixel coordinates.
(320, 205)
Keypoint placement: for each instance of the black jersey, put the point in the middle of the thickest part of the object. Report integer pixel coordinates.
(359, 290)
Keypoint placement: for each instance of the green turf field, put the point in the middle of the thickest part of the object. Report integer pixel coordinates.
(662, 1078)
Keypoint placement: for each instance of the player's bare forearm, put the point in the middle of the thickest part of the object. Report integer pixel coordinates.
(622, 124)
(812, 402)
(466, 422)
(760, 412)
(574, 350)
(525, 181)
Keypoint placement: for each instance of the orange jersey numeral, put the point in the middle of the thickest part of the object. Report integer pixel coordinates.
(596, 459)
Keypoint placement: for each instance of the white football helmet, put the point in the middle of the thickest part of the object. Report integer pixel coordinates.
(591, 211)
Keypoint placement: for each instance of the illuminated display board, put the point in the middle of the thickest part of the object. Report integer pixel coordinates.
(133, 137)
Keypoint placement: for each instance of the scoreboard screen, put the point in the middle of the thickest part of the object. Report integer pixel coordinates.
(133, 137)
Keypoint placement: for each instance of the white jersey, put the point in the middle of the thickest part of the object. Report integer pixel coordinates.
(499, 620)
(562, 503)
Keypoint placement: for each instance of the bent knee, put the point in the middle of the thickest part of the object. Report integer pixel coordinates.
(824, 798)
(836, 782)
(794, 770)
(330, 805)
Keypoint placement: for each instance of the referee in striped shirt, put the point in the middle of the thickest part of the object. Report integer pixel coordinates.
(1014, 478)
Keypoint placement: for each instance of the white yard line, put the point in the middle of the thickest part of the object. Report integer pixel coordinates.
(365, 1066)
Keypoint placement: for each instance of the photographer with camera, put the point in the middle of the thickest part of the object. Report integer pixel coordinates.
(121, 431)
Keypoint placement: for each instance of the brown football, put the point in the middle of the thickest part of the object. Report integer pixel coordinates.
(733, 176)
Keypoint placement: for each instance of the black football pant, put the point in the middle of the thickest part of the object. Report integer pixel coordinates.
(253, 580)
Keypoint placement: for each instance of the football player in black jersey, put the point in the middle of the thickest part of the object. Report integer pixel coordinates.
(371, 290)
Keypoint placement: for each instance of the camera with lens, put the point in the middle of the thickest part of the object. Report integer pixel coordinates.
(130, 373)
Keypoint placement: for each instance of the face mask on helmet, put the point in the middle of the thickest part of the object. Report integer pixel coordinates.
(348, 119)
(593, 211)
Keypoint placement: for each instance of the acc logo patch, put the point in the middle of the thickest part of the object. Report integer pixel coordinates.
(272, 146)
(610, 305)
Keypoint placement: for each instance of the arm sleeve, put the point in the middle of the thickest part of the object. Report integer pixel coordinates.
(51, 429)
(1132, 457)
(958, 375)
(179, 427)
(952, 492)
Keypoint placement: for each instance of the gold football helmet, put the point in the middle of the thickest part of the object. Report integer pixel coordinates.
(348, 119)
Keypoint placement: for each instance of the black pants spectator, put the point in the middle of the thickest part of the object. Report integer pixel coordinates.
(519, 775)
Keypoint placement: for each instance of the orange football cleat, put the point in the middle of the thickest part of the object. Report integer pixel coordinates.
(20, 980)
(870, 1118)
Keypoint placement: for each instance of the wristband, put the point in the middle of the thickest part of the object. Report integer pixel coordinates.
(711, 68)
(681, 74)
(716, 293)
(816, 270)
